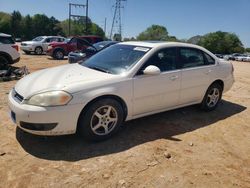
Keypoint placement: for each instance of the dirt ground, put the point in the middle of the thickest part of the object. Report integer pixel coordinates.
(180, 148)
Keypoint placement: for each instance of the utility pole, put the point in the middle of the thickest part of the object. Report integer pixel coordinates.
(117, 19)
(105, 25)
(87, 12)
(73, 7)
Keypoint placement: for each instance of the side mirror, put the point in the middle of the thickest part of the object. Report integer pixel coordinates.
(152, 70)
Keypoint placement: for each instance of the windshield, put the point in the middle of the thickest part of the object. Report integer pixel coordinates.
(67, 40)
(38, 39)
(116, 59)
(102, 44)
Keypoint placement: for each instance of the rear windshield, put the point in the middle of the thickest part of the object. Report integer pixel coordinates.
(6, 40)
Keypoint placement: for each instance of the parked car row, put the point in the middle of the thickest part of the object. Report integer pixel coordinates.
(235, 57)
(57, 47)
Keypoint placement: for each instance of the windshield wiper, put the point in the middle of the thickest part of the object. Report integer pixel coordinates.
(100, 69)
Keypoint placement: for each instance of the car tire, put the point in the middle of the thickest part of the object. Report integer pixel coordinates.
(101, 120)
(4, 60)
(212, 97)
(38, 50)
(58, 54)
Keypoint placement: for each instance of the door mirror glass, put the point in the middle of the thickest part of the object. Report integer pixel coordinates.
(152, 70)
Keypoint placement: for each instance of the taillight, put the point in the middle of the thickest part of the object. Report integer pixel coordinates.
(15, 46)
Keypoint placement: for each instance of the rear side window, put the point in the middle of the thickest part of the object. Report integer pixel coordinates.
(190, 57)
(6, 40)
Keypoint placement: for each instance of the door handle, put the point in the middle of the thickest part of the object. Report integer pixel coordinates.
(174, 77)
(209, 71)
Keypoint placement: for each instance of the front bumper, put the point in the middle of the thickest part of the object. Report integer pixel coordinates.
(27, 48)
(40, 120)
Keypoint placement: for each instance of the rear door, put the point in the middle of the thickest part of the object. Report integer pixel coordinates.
(196, 71)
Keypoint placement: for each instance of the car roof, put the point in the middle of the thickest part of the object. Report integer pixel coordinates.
(153, 44)
(4, 35)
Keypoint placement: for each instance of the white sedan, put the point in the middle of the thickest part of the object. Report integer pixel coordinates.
(123, 82)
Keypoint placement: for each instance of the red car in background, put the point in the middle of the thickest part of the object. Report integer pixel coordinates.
(58, 50)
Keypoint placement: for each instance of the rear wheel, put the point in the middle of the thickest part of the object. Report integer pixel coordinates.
(101, 120)
(58, 54)
(38, 50)
(212, 97)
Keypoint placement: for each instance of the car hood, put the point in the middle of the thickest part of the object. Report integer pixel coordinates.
(58, 78)
(30, 42)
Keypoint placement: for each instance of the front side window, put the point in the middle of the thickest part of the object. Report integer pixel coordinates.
(116, 59)
(190, 57)
(164, 59)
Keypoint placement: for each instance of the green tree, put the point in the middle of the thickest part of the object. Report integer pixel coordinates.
(27, 28)
(155, 32)
(96, 30)
(5, 22)
(247, 50)
(15, 24)
(222, 42)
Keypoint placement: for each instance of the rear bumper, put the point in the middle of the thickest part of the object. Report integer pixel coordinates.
(228, 83)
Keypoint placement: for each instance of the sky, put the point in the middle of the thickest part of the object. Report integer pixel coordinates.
(182, 18)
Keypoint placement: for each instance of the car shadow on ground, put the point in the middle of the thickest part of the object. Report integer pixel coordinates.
(165, 125)
(51, 58)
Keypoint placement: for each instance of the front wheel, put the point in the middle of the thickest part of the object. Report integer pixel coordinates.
(212, 97)
(38, 50)
(100, 120)
(58, 54)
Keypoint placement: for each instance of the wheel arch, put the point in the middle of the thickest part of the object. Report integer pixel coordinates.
(220, 82)
(7, 56)
(109, 96)
(38, 46)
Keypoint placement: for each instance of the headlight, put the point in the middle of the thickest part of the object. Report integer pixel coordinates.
(51, 98)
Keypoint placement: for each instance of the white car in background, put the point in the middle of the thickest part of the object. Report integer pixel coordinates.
(8, 50)
(240, 57)
(123, 82)
(39, 45)
(246, 58)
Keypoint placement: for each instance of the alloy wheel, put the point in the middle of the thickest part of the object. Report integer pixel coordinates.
(104, 120)
(213, 97)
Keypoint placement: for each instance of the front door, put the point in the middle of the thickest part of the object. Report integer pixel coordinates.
(157, 92)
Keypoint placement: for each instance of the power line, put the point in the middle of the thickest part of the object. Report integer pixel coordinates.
(73, 8)
(117, 19)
